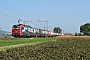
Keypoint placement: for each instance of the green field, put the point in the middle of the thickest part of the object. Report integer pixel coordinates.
(53, 50)
(15, 42)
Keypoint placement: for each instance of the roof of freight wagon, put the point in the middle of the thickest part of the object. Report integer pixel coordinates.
(36, 28)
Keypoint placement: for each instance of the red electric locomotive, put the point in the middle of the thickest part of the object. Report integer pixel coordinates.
(22, 30)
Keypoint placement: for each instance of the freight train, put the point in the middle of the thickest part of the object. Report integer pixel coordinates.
(26, 31)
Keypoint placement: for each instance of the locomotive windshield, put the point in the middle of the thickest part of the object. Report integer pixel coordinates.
(16, 27)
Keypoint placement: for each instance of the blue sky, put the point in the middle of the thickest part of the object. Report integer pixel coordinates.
(67, 14)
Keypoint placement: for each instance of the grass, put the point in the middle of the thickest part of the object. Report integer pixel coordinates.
(15, 42)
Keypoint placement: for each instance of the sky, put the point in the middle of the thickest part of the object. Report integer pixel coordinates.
(69, 15)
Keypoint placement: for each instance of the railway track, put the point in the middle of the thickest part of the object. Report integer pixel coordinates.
(20, 38)
(13, 38)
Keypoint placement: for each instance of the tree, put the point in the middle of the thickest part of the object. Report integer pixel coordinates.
(76, 34)
(85, 29)
(57, 30)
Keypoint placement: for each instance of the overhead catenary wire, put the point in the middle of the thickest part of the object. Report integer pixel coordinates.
(8, 16)
(7, 20)
(12, 6)
(9, 10)
(18, 9)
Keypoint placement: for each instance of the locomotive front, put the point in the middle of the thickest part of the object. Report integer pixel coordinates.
(17, 30)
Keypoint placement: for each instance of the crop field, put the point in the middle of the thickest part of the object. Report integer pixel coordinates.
(73, 38)
(50, 50)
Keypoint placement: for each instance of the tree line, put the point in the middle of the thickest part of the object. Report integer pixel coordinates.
(84, 30)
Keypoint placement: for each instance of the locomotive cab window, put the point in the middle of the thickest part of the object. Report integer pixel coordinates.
(16, 27)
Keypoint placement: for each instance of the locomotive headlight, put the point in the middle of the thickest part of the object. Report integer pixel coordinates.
(12, 28)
